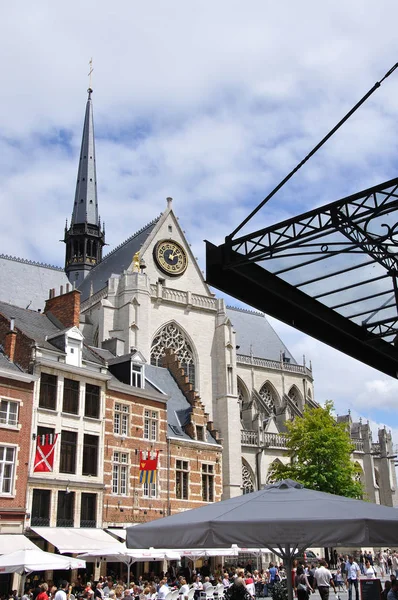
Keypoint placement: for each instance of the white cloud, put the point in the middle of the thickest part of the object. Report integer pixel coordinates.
(211, 103)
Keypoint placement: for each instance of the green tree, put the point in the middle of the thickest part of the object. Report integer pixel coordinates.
(320, 451)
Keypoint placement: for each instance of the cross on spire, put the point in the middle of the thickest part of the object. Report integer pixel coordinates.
(89, 74)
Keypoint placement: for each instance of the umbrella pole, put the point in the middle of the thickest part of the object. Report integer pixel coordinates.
(289, 582)
(22, 583)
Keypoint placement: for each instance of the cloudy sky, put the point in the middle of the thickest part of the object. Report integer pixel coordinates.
(211, 103)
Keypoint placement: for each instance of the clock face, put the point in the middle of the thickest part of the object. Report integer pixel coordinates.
(170, 257)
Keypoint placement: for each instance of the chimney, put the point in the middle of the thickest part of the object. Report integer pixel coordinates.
(11, 340)
(66, 307)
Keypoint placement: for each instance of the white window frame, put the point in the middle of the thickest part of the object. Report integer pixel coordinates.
(208, 473)
(151, 425)
(182, 470)
(121, 419)
(120, 473)
(3, 463)
(137, 375)
(150, 490)
(5, 420)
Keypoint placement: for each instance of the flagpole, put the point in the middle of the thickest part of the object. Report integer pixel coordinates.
(30, 465)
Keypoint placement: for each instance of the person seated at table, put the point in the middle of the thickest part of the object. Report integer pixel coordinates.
(238, 591)
(206, 583)
(184, 589)
(197, 586)
(163, 589)
(225, 581)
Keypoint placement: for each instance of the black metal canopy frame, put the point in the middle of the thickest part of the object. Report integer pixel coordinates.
(330, 272)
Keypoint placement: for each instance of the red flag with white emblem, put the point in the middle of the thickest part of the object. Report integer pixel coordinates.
(44, 457)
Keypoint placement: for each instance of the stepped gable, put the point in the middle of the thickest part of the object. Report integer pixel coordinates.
(26, 283)
(255, 335)
(114, 263)
(179, 410)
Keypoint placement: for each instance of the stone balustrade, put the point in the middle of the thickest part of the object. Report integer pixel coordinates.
(358, 446)
(184, 298)
(269, 440)
(249, 438)
(272, 364)
(275, 440)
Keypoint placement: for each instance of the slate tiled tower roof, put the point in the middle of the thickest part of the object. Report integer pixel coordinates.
(84, 239)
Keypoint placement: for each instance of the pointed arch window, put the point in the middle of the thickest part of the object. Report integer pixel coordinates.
(294, 396)
(247, 480)
(242, 396)
(171, 337)
(269, 398)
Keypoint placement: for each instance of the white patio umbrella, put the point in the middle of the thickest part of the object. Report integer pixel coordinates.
(208, 552)
(26, 561)
(129, 557)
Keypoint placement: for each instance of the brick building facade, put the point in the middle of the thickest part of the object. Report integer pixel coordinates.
(16, 401)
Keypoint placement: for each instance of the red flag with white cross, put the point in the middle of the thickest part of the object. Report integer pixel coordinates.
(44, 457)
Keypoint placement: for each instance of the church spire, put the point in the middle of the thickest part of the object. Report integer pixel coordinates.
(85, 208)
(84, 239)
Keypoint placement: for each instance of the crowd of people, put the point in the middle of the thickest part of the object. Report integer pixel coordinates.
(235, 583)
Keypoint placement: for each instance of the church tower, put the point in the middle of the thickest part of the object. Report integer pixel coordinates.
(84, 238)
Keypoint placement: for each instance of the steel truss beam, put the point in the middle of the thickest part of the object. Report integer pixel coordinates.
(254, 285)
(360, 224)
(301, 231)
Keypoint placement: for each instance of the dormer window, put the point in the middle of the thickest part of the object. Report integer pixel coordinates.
(69, 341)
(73, 348)
(137, 375)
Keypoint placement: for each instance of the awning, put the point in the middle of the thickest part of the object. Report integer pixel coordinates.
(76, 540)
(13, 542)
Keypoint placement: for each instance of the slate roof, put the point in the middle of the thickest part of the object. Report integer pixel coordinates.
(5, 363)
(23, 282)
(104, 354)
(178, 407)
(85, 208)
(34, 324)
(255, 335)
(115, 262)
(39, 327)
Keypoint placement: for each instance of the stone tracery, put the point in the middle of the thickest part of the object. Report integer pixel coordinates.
(171, 337)
(247, 481)
(294, 396)
(269, 398)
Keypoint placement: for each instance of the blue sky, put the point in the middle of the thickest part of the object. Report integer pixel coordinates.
(210, 103)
